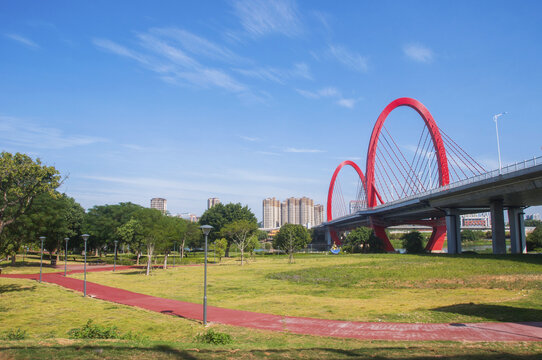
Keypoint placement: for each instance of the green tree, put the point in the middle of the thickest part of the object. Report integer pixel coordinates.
(532, 222)
(153, 230)
(290, 238)
(253, 244)
(240, 232)
(102, 222)
(191, 236)
(534, 239)
(21, 180)
(55, 216)
(220, 215)
(130, 234)
(357, 239)
(413, 242)
(220, 248)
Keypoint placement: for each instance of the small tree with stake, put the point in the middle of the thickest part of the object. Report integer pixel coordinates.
(240, 232)
(290, 238)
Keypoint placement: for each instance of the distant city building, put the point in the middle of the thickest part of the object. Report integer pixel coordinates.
(189, 216)
(480, 220)
(212, 202)
(532, 217)
(159, 204)
(293, 211)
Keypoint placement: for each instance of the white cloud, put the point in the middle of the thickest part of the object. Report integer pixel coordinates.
(299, 70)
(297, 150)
(418, 53)
(322, 93)
(263, 17)
(351, 60)
(23, 40)
(270, 153)
(19, 132)
(347, 103)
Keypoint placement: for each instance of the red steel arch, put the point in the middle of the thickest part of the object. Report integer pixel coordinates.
(444, 177)
(329, 208)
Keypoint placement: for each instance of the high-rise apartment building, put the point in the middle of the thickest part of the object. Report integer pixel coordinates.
(271, 213)
(212, 202)
(159, 204)
(292, 210)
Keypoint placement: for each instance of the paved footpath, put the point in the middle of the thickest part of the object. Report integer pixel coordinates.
(490, 331)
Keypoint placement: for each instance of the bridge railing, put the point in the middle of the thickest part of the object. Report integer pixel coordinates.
(490, 174)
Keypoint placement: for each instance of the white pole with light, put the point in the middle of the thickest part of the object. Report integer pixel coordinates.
(85, 238)
(495, 118)
(66, 256)
(115, 260)
(206, 230)
(41, 257)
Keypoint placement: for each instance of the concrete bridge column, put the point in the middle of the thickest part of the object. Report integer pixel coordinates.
(517, 231)
(453, 231)
(328, 237)
(497, 227)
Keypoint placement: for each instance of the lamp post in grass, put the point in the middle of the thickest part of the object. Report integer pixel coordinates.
(66, 256)
(85, 238)
(115, 259)
(206, 230)
(42, 238)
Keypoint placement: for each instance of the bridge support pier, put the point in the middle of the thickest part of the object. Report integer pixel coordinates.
(497, 227)
(453, 231)
(328, 237)
(517, 231)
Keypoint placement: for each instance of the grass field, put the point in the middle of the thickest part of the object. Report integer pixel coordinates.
(383, 287)
(355, 287)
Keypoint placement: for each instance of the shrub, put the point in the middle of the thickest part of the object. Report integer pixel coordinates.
(215, 338)
(413, 242)
(471, 235)
(17, 334)
(96, 331)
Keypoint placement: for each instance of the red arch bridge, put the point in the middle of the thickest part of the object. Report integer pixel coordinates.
(431, 185)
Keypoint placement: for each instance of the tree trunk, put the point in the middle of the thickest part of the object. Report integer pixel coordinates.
(242, 256)
(182, 249)
(165, 260)
(138, 256)
(57, 256)
(13, 258)
(150, 249)
(227, 252)
(96, 252)
(291, 256)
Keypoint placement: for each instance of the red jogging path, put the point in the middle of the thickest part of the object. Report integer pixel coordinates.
(489, 331)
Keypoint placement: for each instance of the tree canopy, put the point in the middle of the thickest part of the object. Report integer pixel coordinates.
(220, 215)
(21, 180)
(240, 232)
(290, 238)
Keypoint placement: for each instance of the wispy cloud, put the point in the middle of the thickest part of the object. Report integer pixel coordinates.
(22, 40)
(19, 132)
(300, 70)
(248, 138)
(418, 53)
(166, 57)
(297, 150)
(270, 153)
(264, 17)
(347, 103)
(350, 59)
(329, 92)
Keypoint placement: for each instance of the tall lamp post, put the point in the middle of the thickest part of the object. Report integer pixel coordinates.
(115, 259)
(42, 238)
(495, 118)
(206, 230)
(85, 238)
(66, 256)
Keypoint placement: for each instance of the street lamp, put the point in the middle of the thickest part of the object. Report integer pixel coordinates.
(66, 256)
(206, 230)
(115, 260)
(41, 257)
(85, 238)
(495, 118)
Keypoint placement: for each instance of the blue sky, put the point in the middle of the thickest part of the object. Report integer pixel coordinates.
(244, 100)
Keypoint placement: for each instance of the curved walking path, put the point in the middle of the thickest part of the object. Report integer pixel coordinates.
(489, 331)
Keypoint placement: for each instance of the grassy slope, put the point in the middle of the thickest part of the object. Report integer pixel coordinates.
(405, 288)
(47, 312)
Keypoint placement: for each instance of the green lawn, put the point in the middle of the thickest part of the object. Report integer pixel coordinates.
(46, 312)
(383, 287)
